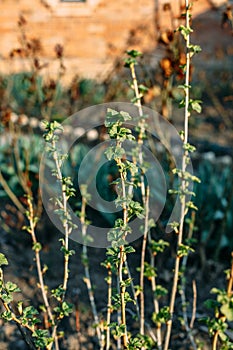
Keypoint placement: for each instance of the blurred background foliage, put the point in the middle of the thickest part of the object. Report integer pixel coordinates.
(29, 97)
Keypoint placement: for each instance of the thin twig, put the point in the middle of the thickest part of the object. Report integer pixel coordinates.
(87, 272)
(144, 192)
(122, 255)
(67, 228)
(32, 223)
(118, 314)
(109, 307)
(194, 309)
(143, 254)
(22, 176)
(141, 126)
(133, 290)
(155, 300)
(17, 321)
(183, 287)
(229, 294)
(183, 185)
(11, 194)
(65, 224)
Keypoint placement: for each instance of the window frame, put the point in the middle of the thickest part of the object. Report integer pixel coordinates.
(72, 8)
(74, 1)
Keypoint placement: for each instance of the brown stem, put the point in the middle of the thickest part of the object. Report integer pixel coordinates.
(109, 310)
(230, 282)
(155, 300)
(215, 341)
(133, 289)
(32, 224)
(183, 289)
(87, 272)
(122, 257)
(143, 254)
(38, 261)
(183, 186)
(194, 309)
(65, 224)
(141, 125)
(22, 176)
(27, 340)
(15, 319)
(229, 293)
(122, 295)
(11, 194)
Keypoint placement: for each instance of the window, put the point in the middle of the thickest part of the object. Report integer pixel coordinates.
(72, 8)
(73, 0)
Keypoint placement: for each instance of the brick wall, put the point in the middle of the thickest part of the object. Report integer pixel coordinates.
(92, 33)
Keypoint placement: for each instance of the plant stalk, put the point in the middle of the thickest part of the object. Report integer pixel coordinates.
(11, 194)
(155, 300)
(183, 185)
(87, 272)
(32, 224)
(65, 224)
(143, 254)
(141, 125)
(122, 258)
(109, 307)
(229, 294)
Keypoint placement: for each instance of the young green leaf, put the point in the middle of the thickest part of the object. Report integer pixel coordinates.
(3, 260)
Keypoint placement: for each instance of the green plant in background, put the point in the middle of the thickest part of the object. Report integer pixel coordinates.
(189, 104)
(115, 130)
(20, 156)
(145, 268)
(28, 317)
(85, 260)
(223, 314)
(67, 191)
(31, 93)
(38, 95)
(118, 235)
(130, 175)
(214, 197)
